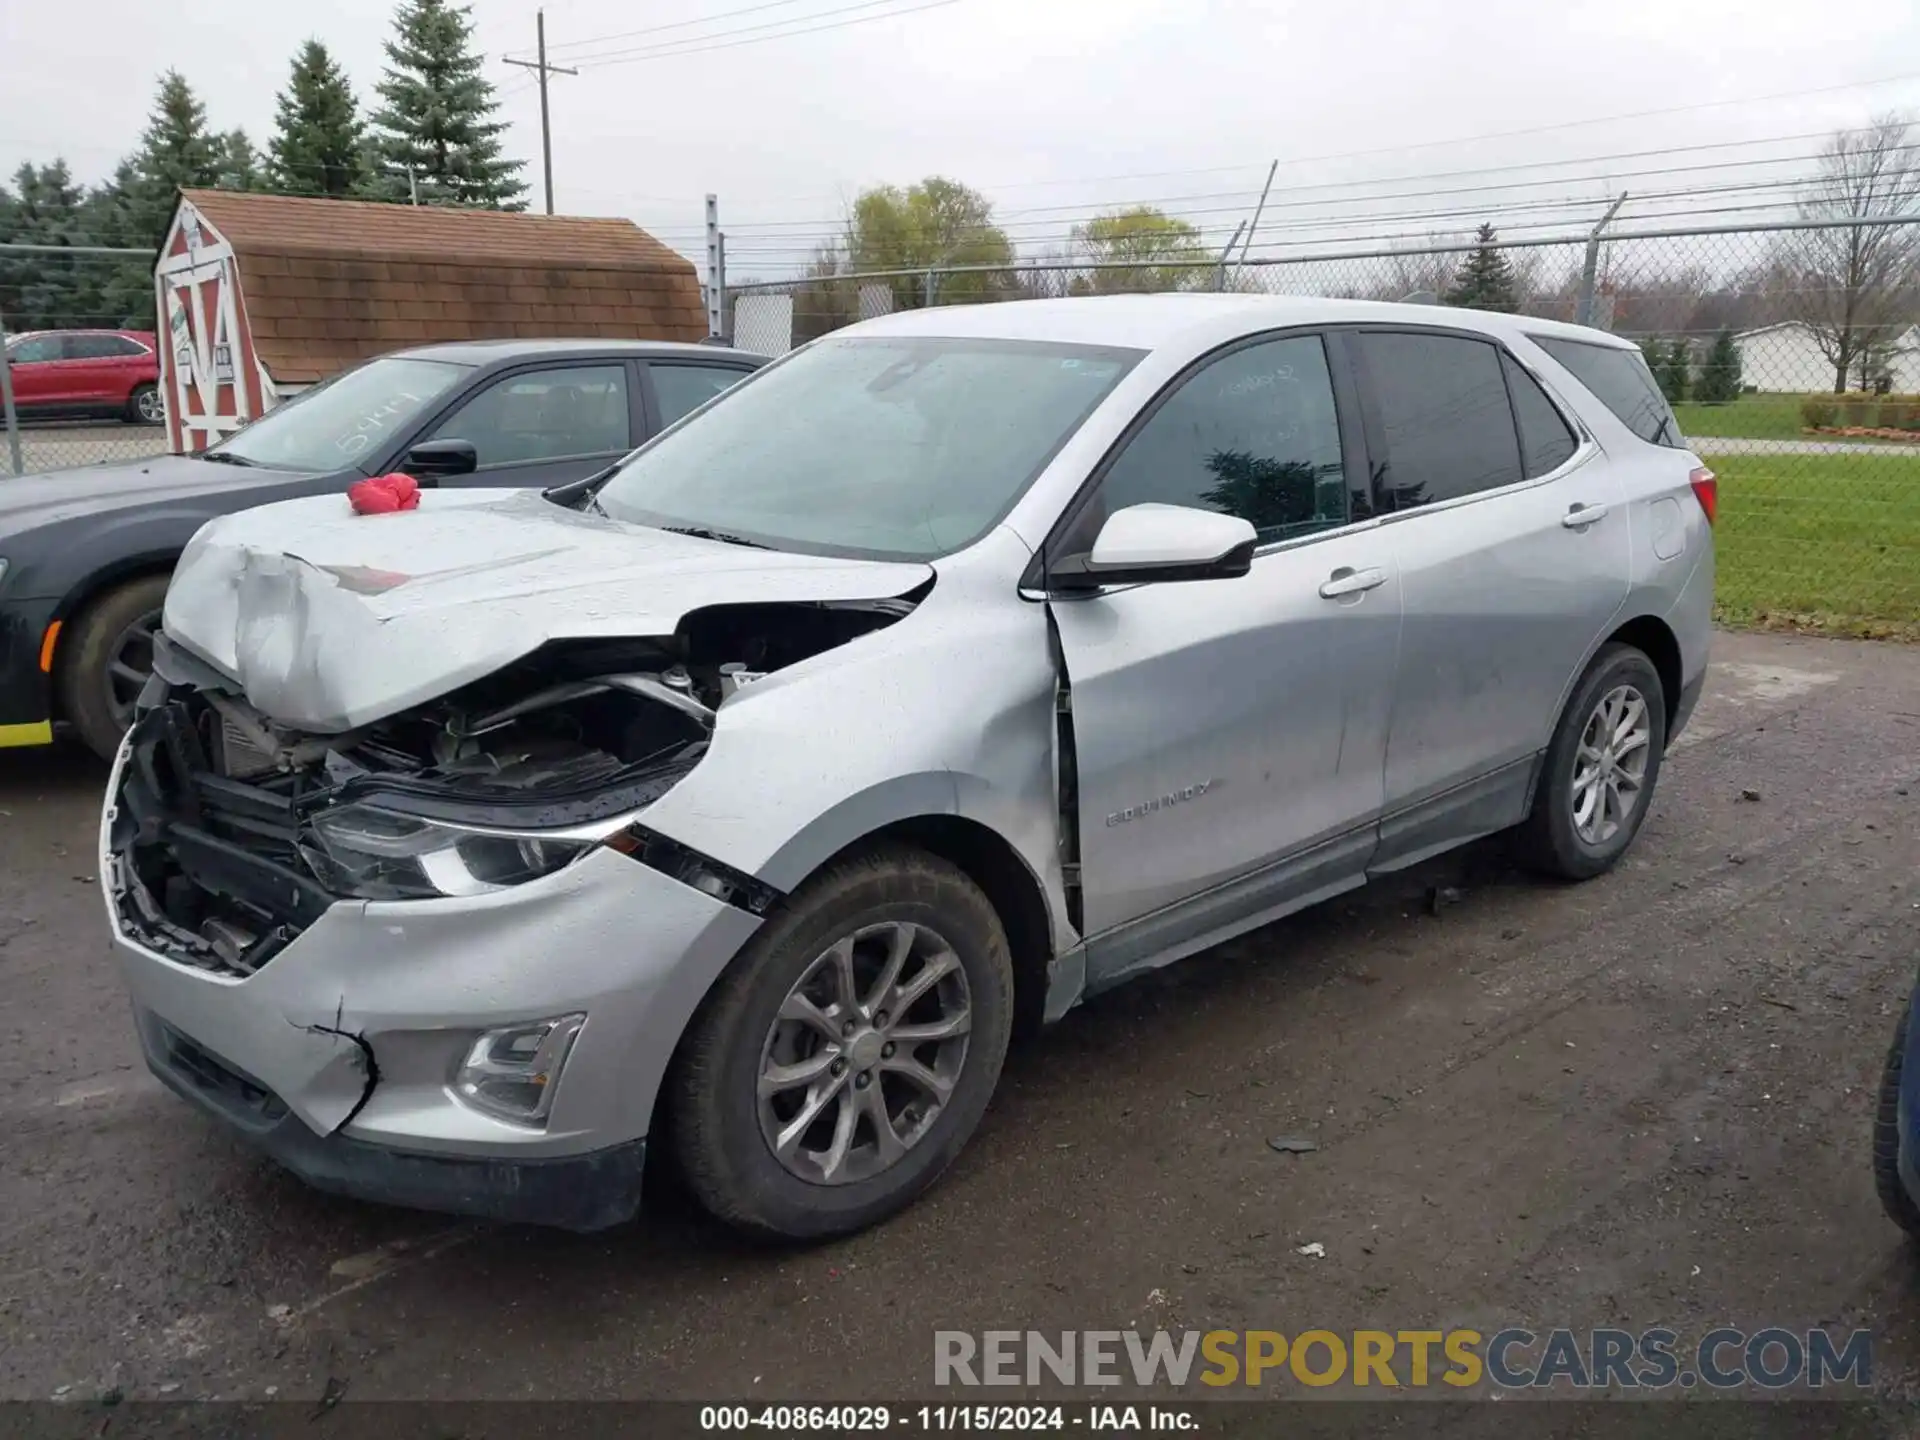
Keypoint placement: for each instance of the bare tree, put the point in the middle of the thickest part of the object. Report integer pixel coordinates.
(1853, 286)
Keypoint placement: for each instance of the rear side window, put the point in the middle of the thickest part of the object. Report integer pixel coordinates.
(1545, 441)
(101, 347)
(1444, 417)
(1619, 380)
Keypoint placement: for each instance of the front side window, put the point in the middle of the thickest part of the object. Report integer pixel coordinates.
(1619, 380)
(345, 421)
(894, 447)
(544, 415)
(1445, 421)
(1254, 434)
(682, 389)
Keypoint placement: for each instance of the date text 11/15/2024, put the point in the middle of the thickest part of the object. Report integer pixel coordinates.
(947, 1419)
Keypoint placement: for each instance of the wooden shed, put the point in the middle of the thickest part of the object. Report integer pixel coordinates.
(263, 295)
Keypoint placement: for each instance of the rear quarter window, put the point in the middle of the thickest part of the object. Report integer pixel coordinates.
(1619, 380)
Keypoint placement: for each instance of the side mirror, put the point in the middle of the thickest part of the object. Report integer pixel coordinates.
(1146, 543)
(432, 459)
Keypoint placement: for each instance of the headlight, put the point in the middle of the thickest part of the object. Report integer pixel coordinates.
(374, 854)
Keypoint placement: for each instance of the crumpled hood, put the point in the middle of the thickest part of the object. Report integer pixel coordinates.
(331, 620)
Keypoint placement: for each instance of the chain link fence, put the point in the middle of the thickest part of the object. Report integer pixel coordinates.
(80, 381)
(1790, 354)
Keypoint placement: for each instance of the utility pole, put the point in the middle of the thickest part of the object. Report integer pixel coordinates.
(540, 65)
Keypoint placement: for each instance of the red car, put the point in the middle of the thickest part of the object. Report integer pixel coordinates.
(87, 372)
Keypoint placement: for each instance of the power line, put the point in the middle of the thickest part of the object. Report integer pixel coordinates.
(829, 225)
(695, 45)
(678, 24)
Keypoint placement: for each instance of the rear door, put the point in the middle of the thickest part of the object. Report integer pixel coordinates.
(1483, 484)
(95, 370)
(544, 425)
(676, 388)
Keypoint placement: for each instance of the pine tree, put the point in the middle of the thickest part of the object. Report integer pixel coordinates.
(115, 214)
(1720, 374)
(175, 151)
(318, 147)
(44, 292)
(236, 163)
(437, 121)
(1676, 372)
(1485, 279)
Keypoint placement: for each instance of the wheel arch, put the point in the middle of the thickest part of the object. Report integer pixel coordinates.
(88, 592)
(987, 858)
(1654, 638)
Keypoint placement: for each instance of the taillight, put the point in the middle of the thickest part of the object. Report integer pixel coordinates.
(1706, 489)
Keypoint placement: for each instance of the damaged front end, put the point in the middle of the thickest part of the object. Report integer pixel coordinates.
(231, 833)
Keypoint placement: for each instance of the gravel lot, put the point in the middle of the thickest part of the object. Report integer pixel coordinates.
(1640, 1102)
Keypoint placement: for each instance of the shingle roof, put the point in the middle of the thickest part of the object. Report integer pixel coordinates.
(331, 282)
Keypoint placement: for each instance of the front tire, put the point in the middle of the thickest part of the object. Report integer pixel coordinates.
(847, 1055)
(1601, 768)
(106, 659)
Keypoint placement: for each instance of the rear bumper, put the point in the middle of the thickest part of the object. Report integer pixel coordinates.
(574, 1192)
(26, 693)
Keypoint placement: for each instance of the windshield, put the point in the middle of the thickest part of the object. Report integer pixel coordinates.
(340, 422)
(905, 447)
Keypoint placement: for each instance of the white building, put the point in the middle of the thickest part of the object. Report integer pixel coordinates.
(1786, 359)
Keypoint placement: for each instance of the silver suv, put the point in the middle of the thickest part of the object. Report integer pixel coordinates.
(739, 803)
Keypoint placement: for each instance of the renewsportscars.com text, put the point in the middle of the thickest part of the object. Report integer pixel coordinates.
(1721, 1359)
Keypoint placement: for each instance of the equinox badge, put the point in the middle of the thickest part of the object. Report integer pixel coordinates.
(1161, 802)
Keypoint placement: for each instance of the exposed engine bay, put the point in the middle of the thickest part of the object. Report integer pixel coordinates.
(233, 833)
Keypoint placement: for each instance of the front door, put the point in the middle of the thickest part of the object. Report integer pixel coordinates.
(1507, 589)
(40, 375)
(1228, 735)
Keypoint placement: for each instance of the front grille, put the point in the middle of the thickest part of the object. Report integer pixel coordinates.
(206, 867)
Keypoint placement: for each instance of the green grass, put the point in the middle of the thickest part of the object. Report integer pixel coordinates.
(1829, 543)
(1751, 417)
(1758, 417)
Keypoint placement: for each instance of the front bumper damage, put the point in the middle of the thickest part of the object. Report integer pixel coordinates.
(336, 1054)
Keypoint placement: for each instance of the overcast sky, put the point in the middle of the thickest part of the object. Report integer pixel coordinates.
(1053, 107)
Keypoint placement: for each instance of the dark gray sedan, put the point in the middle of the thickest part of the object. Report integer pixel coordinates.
(85, 554)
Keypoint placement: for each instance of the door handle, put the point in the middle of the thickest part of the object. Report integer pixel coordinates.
(1579, 516)
(1349, 581)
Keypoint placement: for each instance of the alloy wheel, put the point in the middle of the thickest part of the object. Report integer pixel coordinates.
(1610, 766)
(864, 1054)
(129, 666)
(148, 407)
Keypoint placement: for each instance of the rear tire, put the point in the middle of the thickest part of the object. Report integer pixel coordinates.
(744, 1149)
(101, 660)
(1894, 1198)
(1577, 832)
(144, 407)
